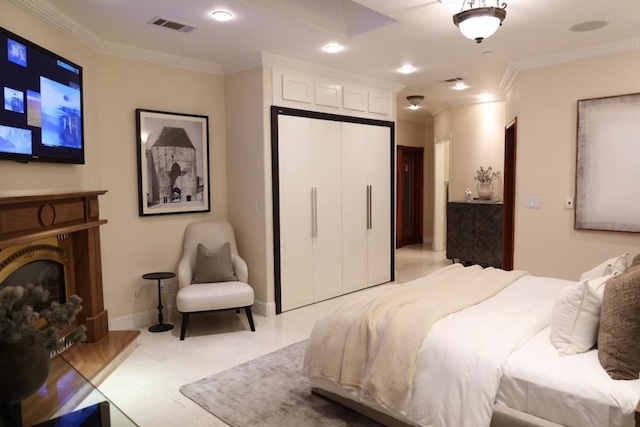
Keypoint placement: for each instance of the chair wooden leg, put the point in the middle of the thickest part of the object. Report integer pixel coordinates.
(250, 317)
(183, 329)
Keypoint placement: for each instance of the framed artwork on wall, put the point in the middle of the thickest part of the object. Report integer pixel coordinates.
(173, 162)
(607, 170)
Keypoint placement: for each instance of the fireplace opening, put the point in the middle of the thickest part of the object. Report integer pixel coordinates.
(44, 262)
(46, 273)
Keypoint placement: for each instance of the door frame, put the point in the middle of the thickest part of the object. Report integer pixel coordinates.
(418, 195)
(509, 197)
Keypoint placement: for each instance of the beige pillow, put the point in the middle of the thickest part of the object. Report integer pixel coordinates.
(212, 267)
(619, 333)
(611, 266)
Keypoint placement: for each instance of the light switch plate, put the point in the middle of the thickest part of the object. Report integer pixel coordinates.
(532, 202)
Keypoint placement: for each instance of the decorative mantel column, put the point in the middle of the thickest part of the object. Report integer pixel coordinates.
(31, 218)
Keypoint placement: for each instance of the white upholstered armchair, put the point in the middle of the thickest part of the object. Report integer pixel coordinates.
(207, 280)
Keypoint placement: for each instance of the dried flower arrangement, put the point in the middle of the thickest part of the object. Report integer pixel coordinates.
(486, 176)
(26, 312)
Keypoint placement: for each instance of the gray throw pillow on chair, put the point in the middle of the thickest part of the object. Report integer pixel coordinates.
(215, 266)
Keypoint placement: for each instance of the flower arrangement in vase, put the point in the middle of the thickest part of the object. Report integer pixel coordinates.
(485, 178)
(30, 330)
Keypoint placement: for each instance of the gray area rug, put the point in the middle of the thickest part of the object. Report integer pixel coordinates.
(270, 391)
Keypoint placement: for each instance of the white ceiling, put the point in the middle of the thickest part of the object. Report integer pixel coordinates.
(418, 32)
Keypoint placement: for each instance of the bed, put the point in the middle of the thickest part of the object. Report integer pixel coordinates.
(502, 371)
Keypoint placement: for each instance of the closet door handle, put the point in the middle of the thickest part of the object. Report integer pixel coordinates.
(315, 212)
(370, 207)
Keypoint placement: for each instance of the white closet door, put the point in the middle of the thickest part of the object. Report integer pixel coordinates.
(354, 206)
(327, 181)
(296, 251)
(379, 233)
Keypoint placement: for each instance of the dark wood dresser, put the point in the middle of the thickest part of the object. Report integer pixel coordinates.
(474, 232)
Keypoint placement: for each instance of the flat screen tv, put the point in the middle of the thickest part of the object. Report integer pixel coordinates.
(41, 116)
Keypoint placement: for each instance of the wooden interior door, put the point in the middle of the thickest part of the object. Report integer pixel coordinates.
(410, 172)
(508, 217)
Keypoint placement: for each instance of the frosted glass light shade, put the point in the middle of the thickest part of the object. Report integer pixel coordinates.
(479, 23)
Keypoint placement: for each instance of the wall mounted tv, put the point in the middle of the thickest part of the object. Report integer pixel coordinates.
(41, 114)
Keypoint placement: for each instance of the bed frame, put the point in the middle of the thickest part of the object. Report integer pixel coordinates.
(502, 415)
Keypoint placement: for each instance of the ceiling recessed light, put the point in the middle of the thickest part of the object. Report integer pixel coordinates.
(221, 15)
(407, 69)
(460, 86)
(333, 48)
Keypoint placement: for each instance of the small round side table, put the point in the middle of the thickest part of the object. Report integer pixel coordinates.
(159, 276)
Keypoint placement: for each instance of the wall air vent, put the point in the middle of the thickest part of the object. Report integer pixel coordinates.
(455, 79)
(183, 28)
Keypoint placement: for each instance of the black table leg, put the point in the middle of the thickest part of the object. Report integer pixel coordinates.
(160, 327)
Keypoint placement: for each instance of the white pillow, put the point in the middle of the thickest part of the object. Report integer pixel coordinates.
(576, 316)
(612, 265)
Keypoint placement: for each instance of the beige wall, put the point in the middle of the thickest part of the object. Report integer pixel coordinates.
(427, 230)
(545, 241)
(247, 167)
(410, 133)
(114, 88)
(477, 139)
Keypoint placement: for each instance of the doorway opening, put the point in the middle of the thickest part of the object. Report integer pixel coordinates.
(410, 174)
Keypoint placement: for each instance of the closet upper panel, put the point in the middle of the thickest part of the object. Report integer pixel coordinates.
(308, 92)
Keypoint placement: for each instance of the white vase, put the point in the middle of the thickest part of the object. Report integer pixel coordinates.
(485, 190)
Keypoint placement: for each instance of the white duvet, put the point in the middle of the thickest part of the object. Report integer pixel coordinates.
(463, 357)
(571, 390)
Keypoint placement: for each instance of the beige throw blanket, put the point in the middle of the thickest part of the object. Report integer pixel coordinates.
(371, 343)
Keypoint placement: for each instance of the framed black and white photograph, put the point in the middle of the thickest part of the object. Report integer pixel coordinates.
(173, 162)
(608, 167)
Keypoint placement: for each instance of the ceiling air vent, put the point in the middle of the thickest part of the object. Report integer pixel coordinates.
(455, 79)
(183, 28)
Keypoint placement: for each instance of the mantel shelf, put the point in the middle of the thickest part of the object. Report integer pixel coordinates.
(19, 238)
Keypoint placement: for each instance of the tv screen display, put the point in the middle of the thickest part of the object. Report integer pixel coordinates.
(41, 114)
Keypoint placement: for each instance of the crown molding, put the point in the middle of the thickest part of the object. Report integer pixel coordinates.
(614, 48)
(60, 21)
(155, 57)
(439, 108)
(464, 102)
(65, 24)
(476, 100)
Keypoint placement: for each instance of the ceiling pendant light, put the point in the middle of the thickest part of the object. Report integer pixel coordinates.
(415, 101)
(478, 23)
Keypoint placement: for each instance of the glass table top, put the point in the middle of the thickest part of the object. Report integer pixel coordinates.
(68, 399)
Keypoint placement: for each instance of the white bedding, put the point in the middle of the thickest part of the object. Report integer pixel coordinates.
(560, 388)
(461, 360)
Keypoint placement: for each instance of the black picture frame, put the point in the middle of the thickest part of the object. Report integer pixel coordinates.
(173, 162)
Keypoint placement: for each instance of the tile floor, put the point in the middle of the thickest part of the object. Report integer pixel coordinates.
(146, 384)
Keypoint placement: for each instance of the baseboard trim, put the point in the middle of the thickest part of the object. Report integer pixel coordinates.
(266, 309)
(143, 319)
(171, 315)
